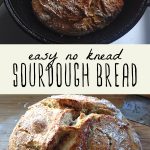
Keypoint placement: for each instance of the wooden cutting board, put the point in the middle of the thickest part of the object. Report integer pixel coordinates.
(13, 106)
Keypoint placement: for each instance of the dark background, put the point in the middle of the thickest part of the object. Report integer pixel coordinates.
(17, 35)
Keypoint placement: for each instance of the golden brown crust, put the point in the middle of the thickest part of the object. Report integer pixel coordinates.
(76, 17)
(73, 122)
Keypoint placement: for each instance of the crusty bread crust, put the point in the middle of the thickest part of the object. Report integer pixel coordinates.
(73, 122)
(76, 17)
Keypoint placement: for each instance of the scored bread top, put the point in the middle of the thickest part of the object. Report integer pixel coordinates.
(76, 17)
(73, 122)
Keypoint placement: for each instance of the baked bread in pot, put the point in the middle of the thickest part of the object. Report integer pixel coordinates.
(76, 17)
(73, 122)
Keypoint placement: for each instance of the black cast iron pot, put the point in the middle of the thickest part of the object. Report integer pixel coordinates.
(21, 10)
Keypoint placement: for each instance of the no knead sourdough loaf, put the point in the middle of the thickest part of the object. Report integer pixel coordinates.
(76, 17)
(73, 122)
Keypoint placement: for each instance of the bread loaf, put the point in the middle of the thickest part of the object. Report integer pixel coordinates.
(76, 17)
(73, 122)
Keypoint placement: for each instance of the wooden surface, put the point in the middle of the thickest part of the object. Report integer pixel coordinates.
(12, 107)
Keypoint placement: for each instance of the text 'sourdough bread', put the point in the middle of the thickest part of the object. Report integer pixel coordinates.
(73, 122)
(76, 17)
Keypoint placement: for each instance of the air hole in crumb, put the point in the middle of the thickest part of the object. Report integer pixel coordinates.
(63, 140)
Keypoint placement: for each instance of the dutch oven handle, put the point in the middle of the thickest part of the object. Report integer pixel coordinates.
(148, 3)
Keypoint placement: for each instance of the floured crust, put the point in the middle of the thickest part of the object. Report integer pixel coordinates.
(73, 122)
(76, 17)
